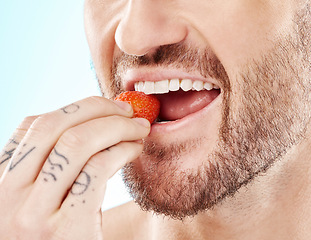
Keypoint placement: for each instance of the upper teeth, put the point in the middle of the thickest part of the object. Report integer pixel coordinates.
(165, 86)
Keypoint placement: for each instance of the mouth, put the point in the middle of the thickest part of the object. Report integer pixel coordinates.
(179, 98)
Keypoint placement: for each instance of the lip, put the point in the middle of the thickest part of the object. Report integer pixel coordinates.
(172, 126)
(158, 74)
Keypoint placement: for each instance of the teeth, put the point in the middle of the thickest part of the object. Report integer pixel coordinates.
(148, 88)
(140, 86)
(165, 86)
(161, 122)
(208, 86)
(161, 87)
(186, 84)
(198, 85)
(174, 85)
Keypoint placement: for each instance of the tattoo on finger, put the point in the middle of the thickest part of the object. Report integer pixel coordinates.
(21, 156)
(72, 108)
(7, 154)
(81, 185)
(54, 164)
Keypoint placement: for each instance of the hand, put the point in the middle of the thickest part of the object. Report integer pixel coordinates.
(55, 168)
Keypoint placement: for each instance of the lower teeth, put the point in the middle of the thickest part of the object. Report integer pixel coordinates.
(160, 121)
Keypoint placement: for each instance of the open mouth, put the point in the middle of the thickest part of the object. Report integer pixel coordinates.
(179, 97)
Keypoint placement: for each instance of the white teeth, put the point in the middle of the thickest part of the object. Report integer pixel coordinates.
(148, 88)
(163, 122)
(215, 86)
(208, 86)
(174, 85)
(140, 86)
(186, 84)
(198, 85)
(165, 86)
(161, 87)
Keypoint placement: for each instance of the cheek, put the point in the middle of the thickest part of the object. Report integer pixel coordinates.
(100, 26)
(241, 30)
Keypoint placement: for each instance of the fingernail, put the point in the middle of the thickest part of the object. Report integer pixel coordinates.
(142, 121)
(124, 105)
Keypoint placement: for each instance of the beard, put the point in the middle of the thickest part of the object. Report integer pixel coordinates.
(265, 112)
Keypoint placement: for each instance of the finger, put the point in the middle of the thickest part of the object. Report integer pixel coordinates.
(72, 152)
(87, 192)
(82, 206)
(46, 130)
(8, 151)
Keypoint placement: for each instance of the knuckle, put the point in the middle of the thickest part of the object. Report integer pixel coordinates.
(28, 226)
(28, 120)
(25, 224)
(21, 224)
(43, 124)
(25, 125)
(72, 138)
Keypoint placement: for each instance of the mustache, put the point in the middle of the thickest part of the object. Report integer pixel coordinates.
(177, 55)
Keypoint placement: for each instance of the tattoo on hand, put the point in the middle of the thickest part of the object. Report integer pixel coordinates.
(80, 186)
(72, 108)
(7, 154)
(55, 161)
(20, 157)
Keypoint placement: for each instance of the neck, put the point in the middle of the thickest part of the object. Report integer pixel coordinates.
(276, 205)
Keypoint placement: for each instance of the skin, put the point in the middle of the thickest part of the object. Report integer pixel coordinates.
(54, 168)
(238, 33)
(50, 181)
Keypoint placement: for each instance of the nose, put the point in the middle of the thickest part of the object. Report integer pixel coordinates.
(147, 25)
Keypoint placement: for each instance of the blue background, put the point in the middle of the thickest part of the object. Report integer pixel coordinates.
(44, 65)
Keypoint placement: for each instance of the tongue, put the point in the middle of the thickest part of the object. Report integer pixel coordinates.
(176, 105)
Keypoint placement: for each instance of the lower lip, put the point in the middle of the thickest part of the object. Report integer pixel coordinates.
(169, 127)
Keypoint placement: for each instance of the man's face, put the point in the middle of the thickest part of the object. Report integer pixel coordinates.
(209, 143)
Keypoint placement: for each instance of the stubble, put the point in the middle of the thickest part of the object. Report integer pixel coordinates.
(259, 126)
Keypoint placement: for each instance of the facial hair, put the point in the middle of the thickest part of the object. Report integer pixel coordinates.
(260, 124)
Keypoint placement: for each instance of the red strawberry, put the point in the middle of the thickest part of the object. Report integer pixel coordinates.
(144, 106)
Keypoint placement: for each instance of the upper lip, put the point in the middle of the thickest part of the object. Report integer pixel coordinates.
(158, 74)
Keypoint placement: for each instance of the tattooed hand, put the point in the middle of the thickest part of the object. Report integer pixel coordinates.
(55, 168)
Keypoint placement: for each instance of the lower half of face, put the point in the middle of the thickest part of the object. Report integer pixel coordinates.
(264, 112)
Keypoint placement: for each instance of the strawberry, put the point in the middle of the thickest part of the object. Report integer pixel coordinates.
(144, 106)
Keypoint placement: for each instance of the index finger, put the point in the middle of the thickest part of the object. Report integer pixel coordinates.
(9, 149)
(56, 122)
(47, 128)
